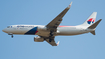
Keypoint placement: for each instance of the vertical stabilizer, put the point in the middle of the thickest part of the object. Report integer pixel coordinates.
(90, 20)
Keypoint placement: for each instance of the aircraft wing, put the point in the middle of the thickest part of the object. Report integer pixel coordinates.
(52, 42)
(57, 20)
(52, 26)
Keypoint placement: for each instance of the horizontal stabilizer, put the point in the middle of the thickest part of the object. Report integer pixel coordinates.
(93, 26)
(93, 32)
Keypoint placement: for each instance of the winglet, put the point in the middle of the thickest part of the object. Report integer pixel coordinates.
(58, 43)
(70, 5)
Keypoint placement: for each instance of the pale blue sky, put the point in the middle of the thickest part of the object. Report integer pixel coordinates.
(41, 12)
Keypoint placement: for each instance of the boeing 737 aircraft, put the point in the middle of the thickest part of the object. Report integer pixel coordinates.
(52, 29)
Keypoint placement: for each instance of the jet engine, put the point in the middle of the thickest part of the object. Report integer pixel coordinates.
(38, 39)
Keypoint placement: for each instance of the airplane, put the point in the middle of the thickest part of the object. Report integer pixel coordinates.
(48, 32)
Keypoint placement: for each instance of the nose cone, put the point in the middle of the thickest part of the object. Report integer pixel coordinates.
(4, 30)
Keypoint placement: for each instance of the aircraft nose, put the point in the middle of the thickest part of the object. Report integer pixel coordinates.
(4, 30)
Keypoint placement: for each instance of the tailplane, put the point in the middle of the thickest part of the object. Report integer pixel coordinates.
(93, 26)
(93, 32)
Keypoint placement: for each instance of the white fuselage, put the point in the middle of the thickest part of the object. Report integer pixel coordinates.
(41, 30)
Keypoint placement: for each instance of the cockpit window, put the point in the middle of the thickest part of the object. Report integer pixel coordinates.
(9, 26)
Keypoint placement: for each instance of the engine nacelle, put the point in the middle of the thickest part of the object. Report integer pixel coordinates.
(42, 28)
(38, 39)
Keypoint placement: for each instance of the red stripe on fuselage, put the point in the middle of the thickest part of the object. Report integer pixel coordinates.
(65, 26)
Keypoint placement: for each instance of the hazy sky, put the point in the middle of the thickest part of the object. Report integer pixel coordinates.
(41, 12)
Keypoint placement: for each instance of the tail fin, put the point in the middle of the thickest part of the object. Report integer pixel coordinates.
(90, 20)
(93, 26)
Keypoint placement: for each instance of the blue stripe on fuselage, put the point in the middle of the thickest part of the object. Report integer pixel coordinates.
(32, 31)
